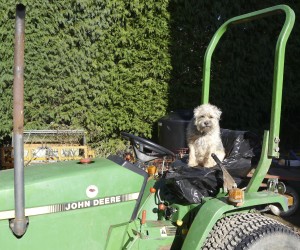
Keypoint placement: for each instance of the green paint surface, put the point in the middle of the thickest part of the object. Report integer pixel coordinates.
(50, 184)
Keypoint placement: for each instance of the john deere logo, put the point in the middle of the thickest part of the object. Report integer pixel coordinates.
(92, 191)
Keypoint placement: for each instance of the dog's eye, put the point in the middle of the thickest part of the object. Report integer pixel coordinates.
(202, 116)
(210, 117)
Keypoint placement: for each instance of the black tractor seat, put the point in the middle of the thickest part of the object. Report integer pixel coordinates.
(192, 184)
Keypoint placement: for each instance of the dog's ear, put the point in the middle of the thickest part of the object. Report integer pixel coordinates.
(198, 110)
(214, 109)
(217, 111)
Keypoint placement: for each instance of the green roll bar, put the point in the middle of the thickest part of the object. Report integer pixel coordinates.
(271, 139)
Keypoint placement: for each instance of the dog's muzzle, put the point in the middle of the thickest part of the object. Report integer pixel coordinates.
(206, 124)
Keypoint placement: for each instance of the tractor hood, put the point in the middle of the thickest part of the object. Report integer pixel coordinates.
(58, 187)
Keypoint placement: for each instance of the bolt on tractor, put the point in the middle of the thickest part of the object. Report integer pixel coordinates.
(116, 203)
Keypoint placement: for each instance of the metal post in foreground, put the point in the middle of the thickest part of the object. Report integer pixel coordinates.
(19, 224)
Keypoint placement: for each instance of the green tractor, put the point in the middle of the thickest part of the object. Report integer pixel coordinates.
(115, 204)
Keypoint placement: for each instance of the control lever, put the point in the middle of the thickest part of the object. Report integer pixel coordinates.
(229, 182)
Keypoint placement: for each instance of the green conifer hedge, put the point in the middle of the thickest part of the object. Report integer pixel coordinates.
(119, 65)
(99, 65)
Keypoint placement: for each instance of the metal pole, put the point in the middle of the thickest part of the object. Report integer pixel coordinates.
(273, 150)
(19, 224)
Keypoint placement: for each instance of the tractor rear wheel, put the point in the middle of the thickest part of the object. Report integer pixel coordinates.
(251, 231)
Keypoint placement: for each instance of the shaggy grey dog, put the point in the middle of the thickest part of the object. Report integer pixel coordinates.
(203, 136)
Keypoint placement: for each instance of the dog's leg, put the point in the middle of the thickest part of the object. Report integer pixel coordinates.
(220, 154)
(192, 156)
(211, 162)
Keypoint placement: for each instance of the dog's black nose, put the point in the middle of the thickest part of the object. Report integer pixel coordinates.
(206, 123)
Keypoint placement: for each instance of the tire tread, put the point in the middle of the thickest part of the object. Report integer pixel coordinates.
(240, 231)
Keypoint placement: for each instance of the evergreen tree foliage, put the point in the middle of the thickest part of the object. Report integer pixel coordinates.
(119, 65)
(98, 65)
(242, 65)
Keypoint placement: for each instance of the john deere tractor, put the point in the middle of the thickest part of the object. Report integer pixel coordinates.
(116, 203)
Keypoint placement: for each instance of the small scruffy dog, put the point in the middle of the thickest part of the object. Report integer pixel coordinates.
(203, 136)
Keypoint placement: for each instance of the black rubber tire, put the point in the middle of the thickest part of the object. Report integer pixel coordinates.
(251, 231)
(292, 209)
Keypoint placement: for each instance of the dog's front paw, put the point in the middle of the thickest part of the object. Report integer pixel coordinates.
(209, 164)
(193, 164)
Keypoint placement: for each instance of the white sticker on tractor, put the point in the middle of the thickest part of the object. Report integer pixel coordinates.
(92, 191)
(163, 232)
(56, 208)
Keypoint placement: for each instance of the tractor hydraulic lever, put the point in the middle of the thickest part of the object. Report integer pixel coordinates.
(229, 182)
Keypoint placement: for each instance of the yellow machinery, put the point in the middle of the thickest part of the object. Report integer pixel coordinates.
(49, 145)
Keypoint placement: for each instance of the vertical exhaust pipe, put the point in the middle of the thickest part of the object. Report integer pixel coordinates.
(19, 224)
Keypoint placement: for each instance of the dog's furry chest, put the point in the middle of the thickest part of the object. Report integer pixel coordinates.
(204, 144)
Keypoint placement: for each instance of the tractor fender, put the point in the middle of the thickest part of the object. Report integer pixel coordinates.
(214, 209)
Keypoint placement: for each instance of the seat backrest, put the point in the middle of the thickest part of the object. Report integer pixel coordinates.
(242, 151)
